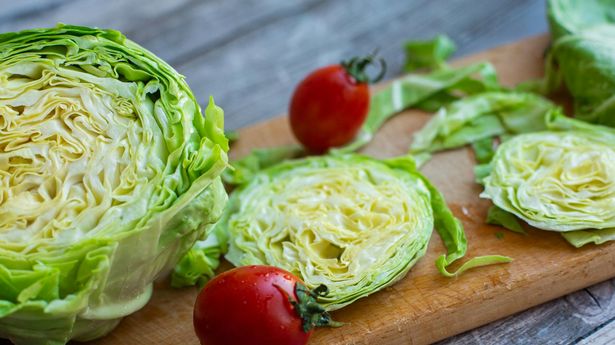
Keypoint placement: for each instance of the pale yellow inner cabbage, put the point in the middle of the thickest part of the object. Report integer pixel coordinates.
(558, 181)
(72, 148)
(336, 226)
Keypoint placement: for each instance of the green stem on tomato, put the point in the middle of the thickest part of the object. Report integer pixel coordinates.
(356, 67)
(308, 309)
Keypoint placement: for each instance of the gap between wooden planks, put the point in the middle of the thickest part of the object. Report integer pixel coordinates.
(424, 306)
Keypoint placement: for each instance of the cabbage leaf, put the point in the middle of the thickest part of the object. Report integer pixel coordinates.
(479, 118)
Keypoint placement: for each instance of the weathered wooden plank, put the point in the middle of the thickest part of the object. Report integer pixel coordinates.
(253, 75)
(562, 321)
(605, 334)
(202, 27)
(14, 11)
(118, 14)
(250, 54)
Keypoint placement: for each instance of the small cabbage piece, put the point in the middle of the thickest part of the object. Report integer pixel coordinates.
(480, 118)
(109, 173)
(353, 223)
(430, 54)
(560, 180)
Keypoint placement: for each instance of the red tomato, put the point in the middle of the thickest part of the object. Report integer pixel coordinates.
(330, 105)
(252, 305)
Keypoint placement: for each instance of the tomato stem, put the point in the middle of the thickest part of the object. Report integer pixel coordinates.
(308, 309)
(356, 67)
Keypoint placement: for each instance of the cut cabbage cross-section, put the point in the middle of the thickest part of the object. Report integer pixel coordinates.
(108, 174)
(353, 223)
(559, 181)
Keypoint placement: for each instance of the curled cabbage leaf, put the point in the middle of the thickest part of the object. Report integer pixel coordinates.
(478, 119)
(109, 173)
(561, 180)
(353, 223)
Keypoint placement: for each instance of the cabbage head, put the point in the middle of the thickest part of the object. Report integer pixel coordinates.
(353, 223)
(109, 173)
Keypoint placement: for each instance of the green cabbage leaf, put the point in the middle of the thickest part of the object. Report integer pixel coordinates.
(353, 223)
(423, 91)
(480, 118)
(582, 56)
(109, 173)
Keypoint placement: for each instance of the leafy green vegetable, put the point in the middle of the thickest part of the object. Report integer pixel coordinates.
(244, 169)
(561, 180)
(497, 216)
(582, 56)
(480, 118)
(426, 92)
(484, 150)
(580, 238)
(430, 54)
(569, 17)
(353, 223)
(109, 173)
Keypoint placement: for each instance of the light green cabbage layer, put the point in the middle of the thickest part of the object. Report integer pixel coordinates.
(353, 223)
(108, 175)
(558, 181)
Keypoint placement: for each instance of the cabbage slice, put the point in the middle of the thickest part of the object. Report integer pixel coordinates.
(108, 174)
(353, 223)
(559, 180)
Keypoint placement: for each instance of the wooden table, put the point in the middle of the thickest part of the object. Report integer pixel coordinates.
(249, 54)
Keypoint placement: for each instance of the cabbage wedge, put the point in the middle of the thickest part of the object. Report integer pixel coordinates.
(109, 173)
(353, 223)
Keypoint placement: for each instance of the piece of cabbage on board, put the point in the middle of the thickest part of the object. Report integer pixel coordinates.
(108, 175)
(353, 223)
(559, 180)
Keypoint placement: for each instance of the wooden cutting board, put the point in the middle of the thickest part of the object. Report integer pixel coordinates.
(424, 306)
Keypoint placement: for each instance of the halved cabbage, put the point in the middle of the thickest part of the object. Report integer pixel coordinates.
(108, 174)
(353, 223)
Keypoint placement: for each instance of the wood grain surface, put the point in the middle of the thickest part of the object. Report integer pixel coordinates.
(249, 54)
(424, 307)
